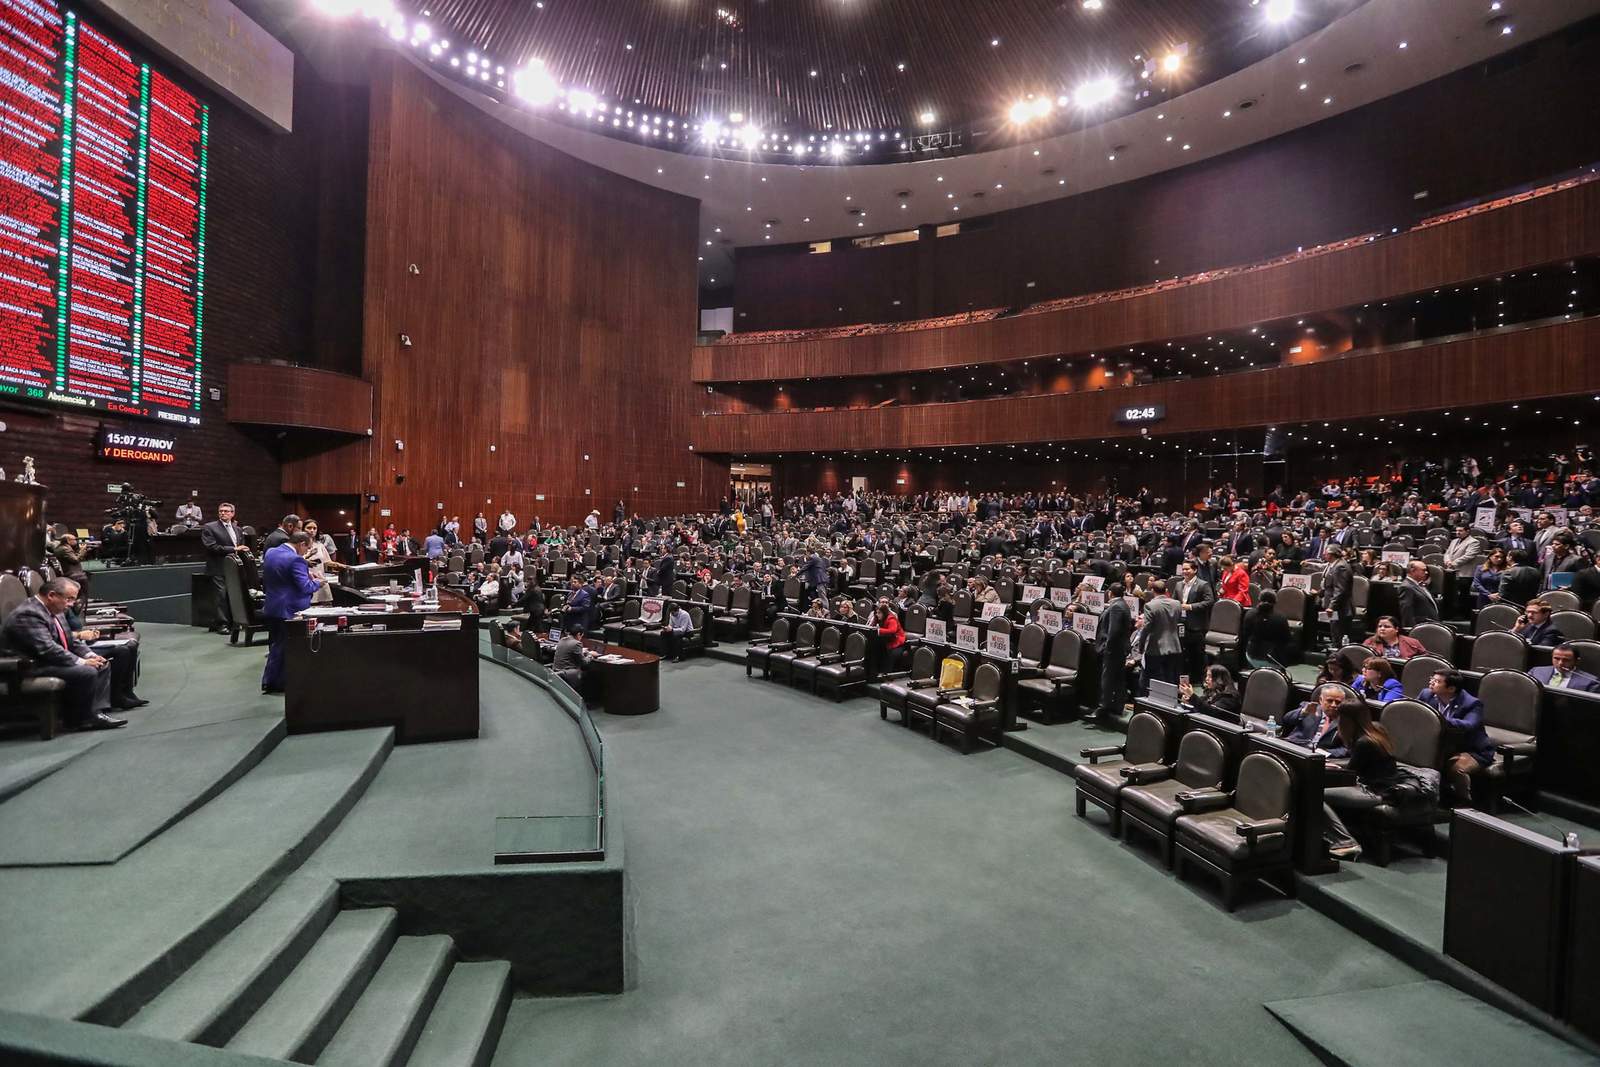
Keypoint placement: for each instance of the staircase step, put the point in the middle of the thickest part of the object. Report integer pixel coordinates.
(212, 999)
(464, 1026)
(299, 1018)
(382, 1028)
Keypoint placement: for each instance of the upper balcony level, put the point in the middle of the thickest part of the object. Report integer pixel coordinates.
(1553, 223)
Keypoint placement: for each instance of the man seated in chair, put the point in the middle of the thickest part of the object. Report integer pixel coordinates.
(1563, 672)
(1463, 714)
(1316, 725)
(679, 626)
(37, 629)
(571, 659)
(1534, 625)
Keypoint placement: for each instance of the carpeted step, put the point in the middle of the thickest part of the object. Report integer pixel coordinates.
(298, 1020)
(382, 1028)
(464, 1026)
(212, 999)
(19, 774)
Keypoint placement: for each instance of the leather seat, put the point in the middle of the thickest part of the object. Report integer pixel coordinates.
(1150, 800)
(778, 641)
(1055, 688)
(977, 713)
(850, 670)
(1266, 695)
(805, 644)
(1243, 835)
(1510, 715)
(1101, 784)
(891, 690)
(922, 703)
(803, 669)
(1417, 733)
(613, 631)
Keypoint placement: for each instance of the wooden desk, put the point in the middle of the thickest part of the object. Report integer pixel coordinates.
(629, 688)
(423, 682)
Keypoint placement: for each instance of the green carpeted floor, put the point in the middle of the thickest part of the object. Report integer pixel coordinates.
(812, 885)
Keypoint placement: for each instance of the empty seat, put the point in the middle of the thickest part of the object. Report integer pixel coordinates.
(1510, 715)
(1437, 638)
(1054, 689)
(1574, 625)
(1031, 644)
(1561, 600)
(955, 676)
(613, 631)
(1244, 835)
(1222, 639)
(1499, 648)
(1101, 784)
(1150, 801)
(1266, 695)
(803, 669)
(804, 644)
(847, 671)
(975, 714)
(891, 690)
(1588, 653)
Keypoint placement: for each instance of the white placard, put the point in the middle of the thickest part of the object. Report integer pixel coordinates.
(650, 610)
(967, 636)
(1525, 514)
(1060, 596)
(1135, 605)
(1297, 581)
(936, 631)
(1092, 581)
(1050, 620)
(1030, 593)
(991, 611)
(1397, 557)
(1093, 599)
(997, 644)
(1485, 518)
(1085, 625)
(1559, 514)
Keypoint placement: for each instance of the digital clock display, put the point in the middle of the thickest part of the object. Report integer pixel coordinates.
(134, 447)
(1142, 413)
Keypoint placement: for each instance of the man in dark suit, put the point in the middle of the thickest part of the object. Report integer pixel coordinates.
(1338, 584)
(286, 528)
(1534, 625)
(406, 546)
(1472, 748)
(1516, 538)
(1520, 583)
(1206, 567)
(1563, 671)
(580, 604)
(1240, 543)
(663, 573)
(1195, 597)
(1316, 726)
(37, 629)
(1158, 640)
(813, 576)
(571, 659)
(220, 540)
(1416, 600)
(289, 586)
(1113, 639)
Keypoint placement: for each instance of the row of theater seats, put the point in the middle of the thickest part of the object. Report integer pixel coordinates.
(1064, 303)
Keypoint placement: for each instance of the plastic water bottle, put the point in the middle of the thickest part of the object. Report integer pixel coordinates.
(1272, 724)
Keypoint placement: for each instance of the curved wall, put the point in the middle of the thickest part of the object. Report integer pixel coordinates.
(1547, 229)
(1555, 360)
(549, 318)
(1473, 133)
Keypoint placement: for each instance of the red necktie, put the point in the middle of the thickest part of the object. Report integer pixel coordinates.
(61, 632)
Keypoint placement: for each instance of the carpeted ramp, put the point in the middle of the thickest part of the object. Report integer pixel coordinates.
(115, 797)
(1420, 1023)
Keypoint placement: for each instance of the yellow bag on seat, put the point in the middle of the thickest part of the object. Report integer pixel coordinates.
(951, 672)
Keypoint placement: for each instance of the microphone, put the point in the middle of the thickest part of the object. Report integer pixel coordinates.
(1567, 837)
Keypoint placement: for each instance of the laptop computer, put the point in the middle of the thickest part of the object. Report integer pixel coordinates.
(1162, 693)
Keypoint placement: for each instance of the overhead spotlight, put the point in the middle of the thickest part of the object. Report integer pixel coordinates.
(421, 31)
(836, 149)
(1041, 107)
(1097, 92)
(751, 135)
(533, 84)
(1020, 112)
(927, 118)
(711, 130)
(1172, 62)
(582, 101)
(1279, 11)
(736, 116)
(1093, 5)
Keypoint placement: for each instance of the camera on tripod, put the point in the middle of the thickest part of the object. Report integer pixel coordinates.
(136, 511)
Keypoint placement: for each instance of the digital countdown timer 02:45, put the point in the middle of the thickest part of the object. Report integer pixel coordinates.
(1142, 414)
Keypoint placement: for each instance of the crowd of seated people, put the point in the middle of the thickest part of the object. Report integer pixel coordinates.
(1085, 299)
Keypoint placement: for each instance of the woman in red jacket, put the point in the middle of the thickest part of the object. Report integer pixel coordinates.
(1236, 582)
(893, 634)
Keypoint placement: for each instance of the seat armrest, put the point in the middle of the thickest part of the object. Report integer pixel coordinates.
(1059, 681)
(1198, 801)
(1255, 831)
(951, 692)
(781, 646)
(1095, 755)
(1028, 672)
(830, 657)
(924, 683)
(984, 704)
(1145, 775)
(1518, 748)
(894, 675)
(11, 664)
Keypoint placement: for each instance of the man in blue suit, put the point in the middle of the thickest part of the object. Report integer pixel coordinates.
(288, 586)
(1563, 671)
(1316, 726)
(1463, 715)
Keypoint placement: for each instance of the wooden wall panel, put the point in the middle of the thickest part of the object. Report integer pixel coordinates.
(276, 394)
(1473, 133)
(1547, 230)
(1556, 360)
(551, 320)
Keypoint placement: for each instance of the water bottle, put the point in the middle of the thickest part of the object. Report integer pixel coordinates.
(1272, 725)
